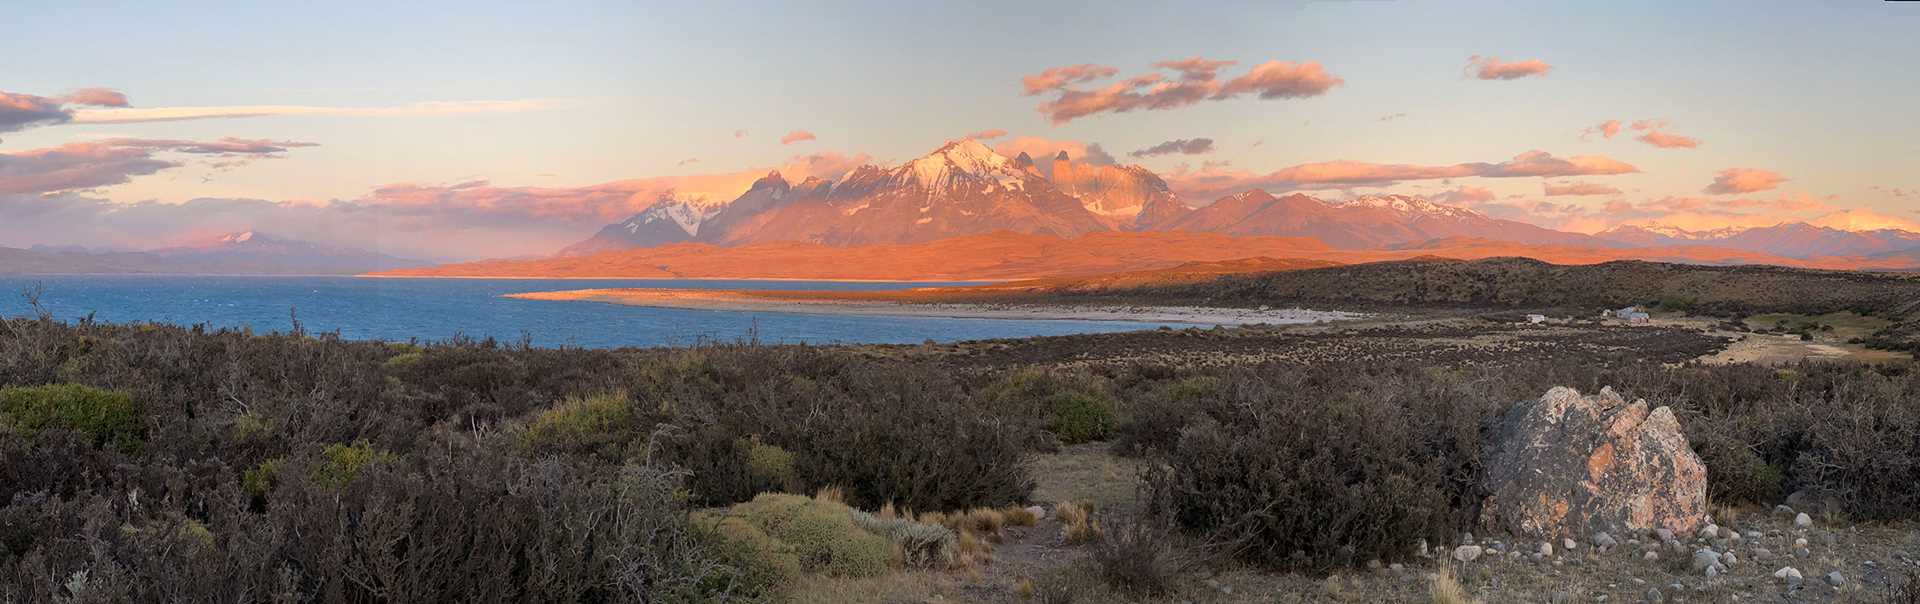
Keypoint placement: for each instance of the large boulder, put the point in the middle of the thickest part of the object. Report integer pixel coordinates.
(1569, 465)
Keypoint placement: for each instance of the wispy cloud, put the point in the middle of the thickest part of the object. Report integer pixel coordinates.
(1606, 129)
(1492, 68)
(1209, 184)
(19, 111)
(1044, 149)
(1577, 188)
(1197, 81)
(128, 115)
(1743, 180)
(796, 136)
(990, 133)
(1183, 146)
(107, 162)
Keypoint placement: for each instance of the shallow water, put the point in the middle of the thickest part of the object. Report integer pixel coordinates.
(439, 309)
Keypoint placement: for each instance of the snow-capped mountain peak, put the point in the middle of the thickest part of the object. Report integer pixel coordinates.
(240, 237)
(1408, 204)
(958, 161)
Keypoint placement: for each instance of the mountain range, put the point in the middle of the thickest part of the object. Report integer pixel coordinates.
(965, 188)
(242, 253)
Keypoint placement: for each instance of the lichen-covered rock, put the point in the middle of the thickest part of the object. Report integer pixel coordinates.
(1568, 465)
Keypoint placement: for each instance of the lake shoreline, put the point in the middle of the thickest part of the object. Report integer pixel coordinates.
(826, 304)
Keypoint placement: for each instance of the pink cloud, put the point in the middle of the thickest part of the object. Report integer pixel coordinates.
(19, 111)
(796, 136)
(108, 162)
(1195, 68)
(1606, 129)
(740, 134)
(1466, 195)
(1491, 68)
(1743, 180)
(1666, 140)
(1210, 184)
(990, 133)
(1055, 78)
(1155, 91)
(1578, 188)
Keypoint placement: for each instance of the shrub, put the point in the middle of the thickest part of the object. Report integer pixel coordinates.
(770, 467)
(1078, 417)
(107, 417)
(602, 424)
(341, 463)
(260, 480)
(822, 534)
(917, 544)
(753, 563)
(1141, 556)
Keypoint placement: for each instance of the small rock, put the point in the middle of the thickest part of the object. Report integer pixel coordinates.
(1603, 540)
(1420, 547)
(1466, 539)
(1664, 534)
(1546, 549)
(1715, 570)
(1800, 543)
(1802, 520)
(1037, 511)
(1226, 589)
(1373, 564)
(1568, 544)
(1803, 552)
(1653, 595)
(1650, 556)
(1466, 553)
(1761, 552)
(1782, 510)
(1729, 559)
(1709, 531)
(1704, 559)
(1836, 579)
(1396, 567)
(1789, 574)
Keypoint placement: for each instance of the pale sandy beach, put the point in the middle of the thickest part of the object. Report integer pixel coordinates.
(748, 302)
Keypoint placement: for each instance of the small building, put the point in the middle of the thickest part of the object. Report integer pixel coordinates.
(1536, 319)
(1632, 314)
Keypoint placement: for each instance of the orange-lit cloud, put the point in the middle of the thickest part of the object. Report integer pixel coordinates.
(1183, 146)
(1606, 129)
(1211, 184)
(796, 136)
(1155, 91)
(1055, 78)
(1666, 140)
(1743, 180)
(19, 111)
(85, 165)
(1577, 188)
(1492, 68)
(990, 133)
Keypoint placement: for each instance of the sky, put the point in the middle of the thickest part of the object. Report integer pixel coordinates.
(460, 130)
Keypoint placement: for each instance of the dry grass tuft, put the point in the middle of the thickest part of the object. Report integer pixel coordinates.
(1445, 589)
(831, 493)
(1024, 588)
(1077, 523)
(1019, 516)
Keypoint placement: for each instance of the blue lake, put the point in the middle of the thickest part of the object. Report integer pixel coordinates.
(439, 309)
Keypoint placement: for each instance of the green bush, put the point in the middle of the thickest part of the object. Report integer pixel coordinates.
(1078, 417)
(602, 424)
(107, 417)
(753, 564)
(821, 533)
(770, 467)
(341, 463)
(259, 480)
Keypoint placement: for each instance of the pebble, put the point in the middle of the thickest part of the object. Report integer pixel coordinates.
(1761, 552)
(1037, 511)
(1729, 559)
(1789, 574)
(1802, 520)
(1783, 510)
(1650, 556)
(1709, 531)
(1604, 541)
(1836, 579)
(1653, 595)
(1466, 553)
(1567, 544)
(1546, 549)
(1664, 534)
(1705, 559)
(1467, 539)
(1800, 543)
(1396, 567)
